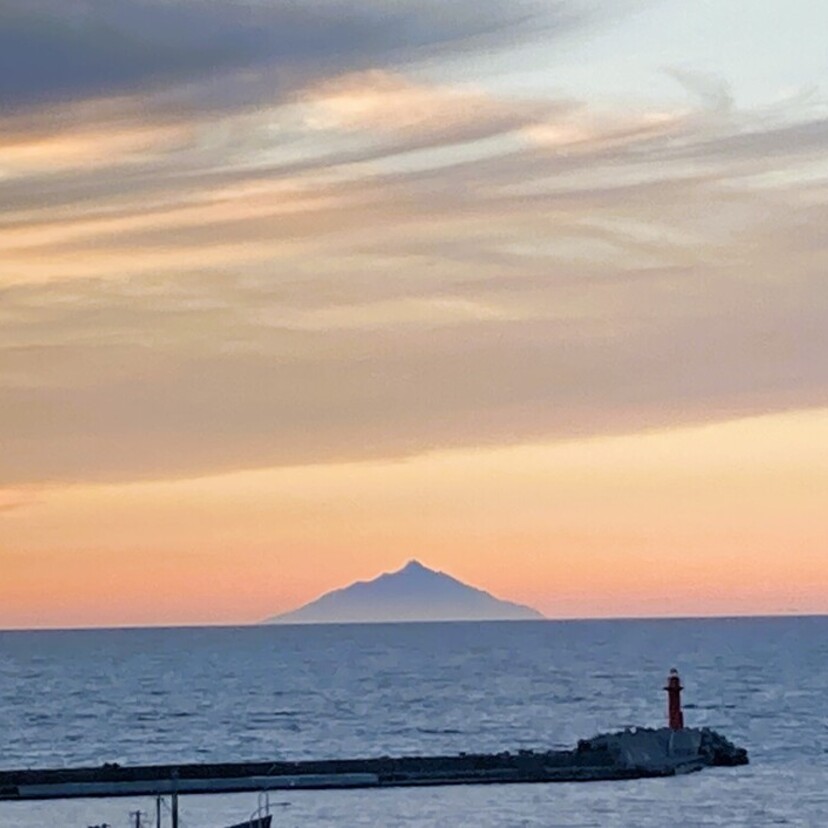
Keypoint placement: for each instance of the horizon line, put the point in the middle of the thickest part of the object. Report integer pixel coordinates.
(558, 620)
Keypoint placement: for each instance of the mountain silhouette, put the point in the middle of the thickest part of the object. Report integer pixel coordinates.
(413, 593)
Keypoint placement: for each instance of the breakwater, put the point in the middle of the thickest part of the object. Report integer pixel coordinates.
(628, 754)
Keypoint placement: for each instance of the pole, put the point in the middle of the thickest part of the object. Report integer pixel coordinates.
(175, 799)
(158, 811)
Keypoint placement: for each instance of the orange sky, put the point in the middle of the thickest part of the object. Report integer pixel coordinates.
(533, 292)
(723, 519)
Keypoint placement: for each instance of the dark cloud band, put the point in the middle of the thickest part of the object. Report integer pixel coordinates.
(53, 51)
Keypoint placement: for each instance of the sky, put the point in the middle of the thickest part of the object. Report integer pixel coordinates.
(294, 291)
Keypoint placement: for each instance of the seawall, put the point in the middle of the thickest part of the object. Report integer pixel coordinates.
(630, 754)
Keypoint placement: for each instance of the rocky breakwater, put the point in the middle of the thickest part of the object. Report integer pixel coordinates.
(649, 751)
(628, 754)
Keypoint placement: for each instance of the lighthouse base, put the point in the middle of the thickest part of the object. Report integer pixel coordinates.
(665, 750)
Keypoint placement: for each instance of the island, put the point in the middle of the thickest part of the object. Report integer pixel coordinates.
(413, 593)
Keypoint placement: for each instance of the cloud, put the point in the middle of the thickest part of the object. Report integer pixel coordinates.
(52, 51)
(90, 148)
(11, 500)
(178, 376)
(714, 92)
(375, 263)
(390, 105)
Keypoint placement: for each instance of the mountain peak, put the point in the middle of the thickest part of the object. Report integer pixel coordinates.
(413, 593)
(414, 566)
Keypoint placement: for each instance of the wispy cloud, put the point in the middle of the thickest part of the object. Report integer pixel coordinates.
(374, 262)
(13, 499)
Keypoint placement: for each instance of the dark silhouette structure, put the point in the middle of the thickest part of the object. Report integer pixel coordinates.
(675, 716)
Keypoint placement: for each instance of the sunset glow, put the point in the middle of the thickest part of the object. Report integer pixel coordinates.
(543, 308)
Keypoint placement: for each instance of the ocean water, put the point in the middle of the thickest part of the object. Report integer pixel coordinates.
(213, 694)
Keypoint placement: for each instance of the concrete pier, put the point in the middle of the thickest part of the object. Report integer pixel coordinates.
(629, 754)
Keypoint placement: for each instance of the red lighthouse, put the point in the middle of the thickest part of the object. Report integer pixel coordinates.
(674, 688)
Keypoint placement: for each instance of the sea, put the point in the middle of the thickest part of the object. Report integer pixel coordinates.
(72, 698)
